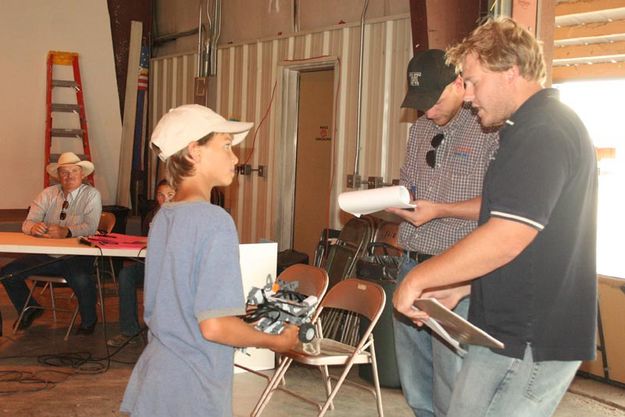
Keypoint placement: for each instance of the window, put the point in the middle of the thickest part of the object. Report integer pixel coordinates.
(600, 106)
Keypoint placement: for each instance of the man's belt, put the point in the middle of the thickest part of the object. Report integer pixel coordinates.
(418, 256)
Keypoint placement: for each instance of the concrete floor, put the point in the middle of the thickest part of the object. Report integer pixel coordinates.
(31, 386)
(37, 377)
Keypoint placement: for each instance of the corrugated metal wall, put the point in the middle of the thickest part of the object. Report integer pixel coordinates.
(249, 74)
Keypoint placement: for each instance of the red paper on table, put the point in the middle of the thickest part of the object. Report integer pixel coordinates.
(118, 241)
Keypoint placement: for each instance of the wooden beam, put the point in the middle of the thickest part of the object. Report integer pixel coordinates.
(593, 50)
(587, 6)
(130, 111)
(525, 13)
(544, 32)
(419, 24)
(588, 72)
(590, 30)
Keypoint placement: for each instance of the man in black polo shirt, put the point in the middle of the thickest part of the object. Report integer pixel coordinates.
(531, 262)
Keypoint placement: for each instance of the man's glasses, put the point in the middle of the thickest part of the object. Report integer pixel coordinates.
(430, 156)
(63, 208)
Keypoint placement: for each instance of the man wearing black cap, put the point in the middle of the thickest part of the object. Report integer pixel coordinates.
(447, 156)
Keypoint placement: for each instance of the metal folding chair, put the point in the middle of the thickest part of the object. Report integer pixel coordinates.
(49, 282)
(353, 295)
(106, 224)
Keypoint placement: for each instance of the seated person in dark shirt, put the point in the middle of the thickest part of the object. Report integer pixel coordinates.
(132, 275)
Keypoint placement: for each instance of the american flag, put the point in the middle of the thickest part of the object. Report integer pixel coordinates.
(144, 62)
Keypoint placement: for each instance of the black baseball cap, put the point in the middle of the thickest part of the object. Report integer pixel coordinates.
(428, 75)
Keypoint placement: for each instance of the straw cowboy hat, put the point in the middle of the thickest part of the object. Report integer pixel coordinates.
(69, 158)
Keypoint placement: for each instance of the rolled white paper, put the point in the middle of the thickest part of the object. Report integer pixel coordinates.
(370, 201)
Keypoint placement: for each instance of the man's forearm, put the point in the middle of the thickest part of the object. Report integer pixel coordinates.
(487, 248)
(467, 209)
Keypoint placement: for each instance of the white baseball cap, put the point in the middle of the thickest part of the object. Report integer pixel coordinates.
(188, 123)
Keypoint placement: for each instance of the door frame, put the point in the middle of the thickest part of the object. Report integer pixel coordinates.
(285, 151)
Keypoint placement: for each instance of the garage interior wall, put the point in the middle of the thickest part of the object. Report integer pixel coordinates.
(28, 30)
(248, 71)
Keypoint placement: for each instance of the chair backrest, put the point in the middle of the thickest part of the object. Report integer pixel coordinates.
(358, 296)
(312, 280)
(107, 222)
(351, 244)
(385, 239)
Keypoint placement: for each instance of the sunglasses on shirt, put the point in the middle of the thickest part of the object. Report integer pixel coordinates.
(430, 156)
(63, 208)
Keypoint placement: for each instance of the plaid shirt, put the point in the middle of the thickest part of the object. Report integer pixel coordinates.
(461, 162)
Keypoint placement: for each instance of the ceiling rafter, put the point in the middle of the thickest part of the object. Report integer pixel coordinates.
(588, 72)
(586, 6)
(590, 30)
(589, 40)
(595, 50)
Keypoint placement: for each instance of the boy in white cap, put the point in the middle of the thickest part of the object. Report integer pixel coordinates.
(193, 290)
(70, 208)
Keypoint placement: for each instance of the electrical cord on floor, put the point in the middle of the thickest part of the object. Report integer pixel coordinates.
(84, 362)
(37, 381)
(72, 363)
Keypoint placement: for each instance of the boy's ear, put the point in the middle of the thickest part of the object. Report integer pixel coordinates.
(194, 152)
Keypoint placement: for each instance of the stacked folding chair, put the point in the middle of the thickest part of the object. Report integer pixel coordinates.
(340, 259)
(381, 265)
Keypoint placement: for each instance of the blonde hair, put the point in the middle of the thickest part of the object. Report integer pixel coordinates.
(179, 165)
(499, 44)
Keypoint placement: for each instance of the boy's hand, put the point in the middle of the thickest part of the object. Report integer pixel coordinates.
(286, 340)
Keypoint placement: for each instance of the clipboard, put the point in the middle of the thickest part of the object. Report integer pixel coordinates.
(453, 328)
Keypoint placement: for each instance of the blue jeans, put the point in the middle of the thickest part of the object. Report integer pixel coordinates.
(427, 365)
(77, 270)
(129, 278)
(493, 385)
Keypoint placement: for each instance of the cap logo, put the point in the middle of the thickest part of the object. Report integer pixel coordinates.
(414, 78)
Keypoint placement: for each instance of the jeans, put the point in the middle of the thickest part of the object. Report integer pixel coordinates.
(493, 385)
(129, 278)
(427, 365)
(77, 270)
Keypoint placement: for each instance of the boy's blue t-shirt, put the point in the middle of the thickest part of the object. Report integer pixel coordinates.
(192, 274)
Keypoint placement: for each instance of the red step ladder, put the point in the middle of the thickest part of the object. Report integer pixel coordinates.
(66, 132)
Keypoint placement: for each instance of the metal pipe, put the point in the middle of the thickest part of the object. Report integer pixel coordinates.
(295, 24)
(359, 113)
(198, 70)
(216, 33)
(207, 42)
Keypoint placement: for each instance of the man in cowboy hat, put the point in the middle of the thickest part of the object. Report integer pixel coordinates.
(70, 208)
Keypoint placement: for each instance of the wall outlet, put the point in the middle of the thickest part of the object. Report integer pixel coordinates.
(353, 181)
(375, 182)
(244, 169)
